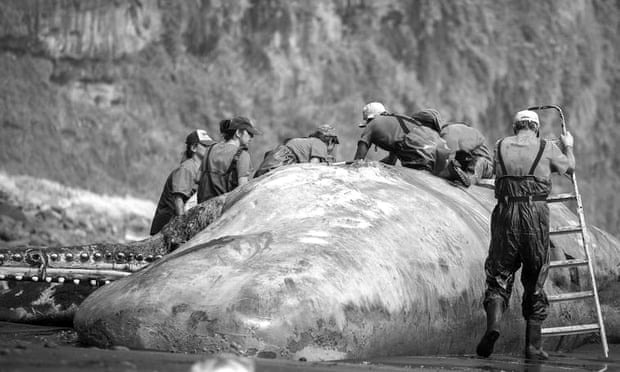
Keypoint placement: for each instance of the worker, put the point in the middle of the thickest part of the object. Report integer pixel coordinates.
(182, 182)
(472, 159)
(227, 164)
(316, 148)
(415, 143)
(523, 165)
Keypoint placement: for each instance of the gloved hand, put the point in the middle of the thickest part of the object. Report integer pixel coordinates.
(567, 139)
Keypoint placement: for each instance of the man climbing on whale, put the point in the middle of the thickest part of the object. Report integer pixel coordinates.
(472, 159)
(523, 165)
(316, 148)
(412, 140)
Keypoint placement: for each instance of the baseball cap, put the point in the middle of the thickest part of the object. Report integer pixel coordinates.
(199, 136)
(527, 115)
(371, 110)
(328, 130)
(241, 122)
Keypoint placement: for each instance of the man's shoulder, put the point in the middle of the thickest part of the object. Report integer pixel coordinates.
(224, 148)
(553, 148)
(507, 139)
(315, 141)
(516, 142)
(382, 120)
(385, 118)
(190, 164)
(222, 153)
(298, 140)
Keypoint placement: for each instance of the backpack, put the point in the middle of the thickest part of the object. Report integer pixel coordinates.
(422, 147)
(208, 189)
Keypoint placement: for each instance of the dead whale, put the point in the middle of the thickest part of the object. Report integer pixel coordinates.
(326, 263)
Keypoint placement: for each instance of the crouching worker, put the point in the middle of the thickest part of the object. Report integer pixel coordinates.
(520, 228)
(182, 182)
(472, 160)
(416, 143)
(227, 164)
(316, 148)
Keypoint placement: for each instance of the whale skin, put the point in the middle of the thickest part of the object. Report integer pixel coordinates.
(322, 262)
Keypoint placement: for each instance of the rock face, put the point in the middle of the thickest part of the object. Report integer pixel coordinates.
(324, 263)
(122, 82)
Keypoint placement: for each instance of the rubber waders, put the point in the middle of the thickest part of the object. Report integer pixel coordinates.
(494, 315)
(533, 341)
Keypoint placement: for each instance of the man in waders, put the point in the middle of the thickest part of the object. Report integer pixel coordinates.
(520, 228)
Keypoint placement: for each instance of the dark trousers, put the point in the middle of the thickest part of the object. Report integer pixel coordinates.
(519, 236)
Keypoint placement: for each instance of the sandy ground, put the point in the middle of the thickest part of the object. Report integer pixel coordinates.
(41, 348)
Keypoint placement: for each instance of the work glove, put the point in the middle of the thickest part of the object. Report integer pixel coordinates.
(567, 139)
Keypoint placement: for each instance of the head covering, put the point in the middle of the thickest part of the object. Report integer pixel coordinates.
(328, 131)
(429, 118)
(527, 115)
(199, 136)
(370, 111)
(524, 119)
(239, 122)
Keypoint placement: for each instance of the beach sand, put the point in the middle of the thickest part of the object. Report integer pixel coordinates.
(25, 347)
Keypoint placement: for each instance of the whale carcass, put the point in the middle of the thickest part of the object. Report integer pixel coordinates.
(323, 263)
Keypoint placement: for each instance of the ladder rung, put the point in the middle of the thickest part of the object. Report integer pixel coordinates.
(571, 330)
(565, 230)
(568, 263)
(561, 197)
(570, 296)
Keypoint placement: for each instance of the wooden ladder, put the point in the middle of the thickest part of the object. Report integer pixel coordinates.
(599, 326)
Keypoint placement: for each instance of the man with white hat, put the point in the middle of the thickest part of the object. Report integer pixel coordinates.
(371, 136)
(523, 165)
(181, 184)
(414, 140)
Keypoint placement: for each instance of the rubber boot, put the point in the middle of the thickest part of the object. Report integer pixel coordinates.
(459, 174)
(494, 311)
(533, 341)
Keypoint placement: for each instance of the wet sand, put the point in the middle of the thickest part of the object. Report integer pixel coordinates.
(26, 347)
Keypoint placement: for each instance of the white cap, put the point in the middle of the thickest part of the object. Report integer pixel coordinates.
(371, 110)
(202, 135)
(527, 115)
(199, 136)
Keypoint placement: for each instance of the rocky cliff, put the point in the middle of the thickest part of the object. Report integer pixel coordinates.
(100, 94)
